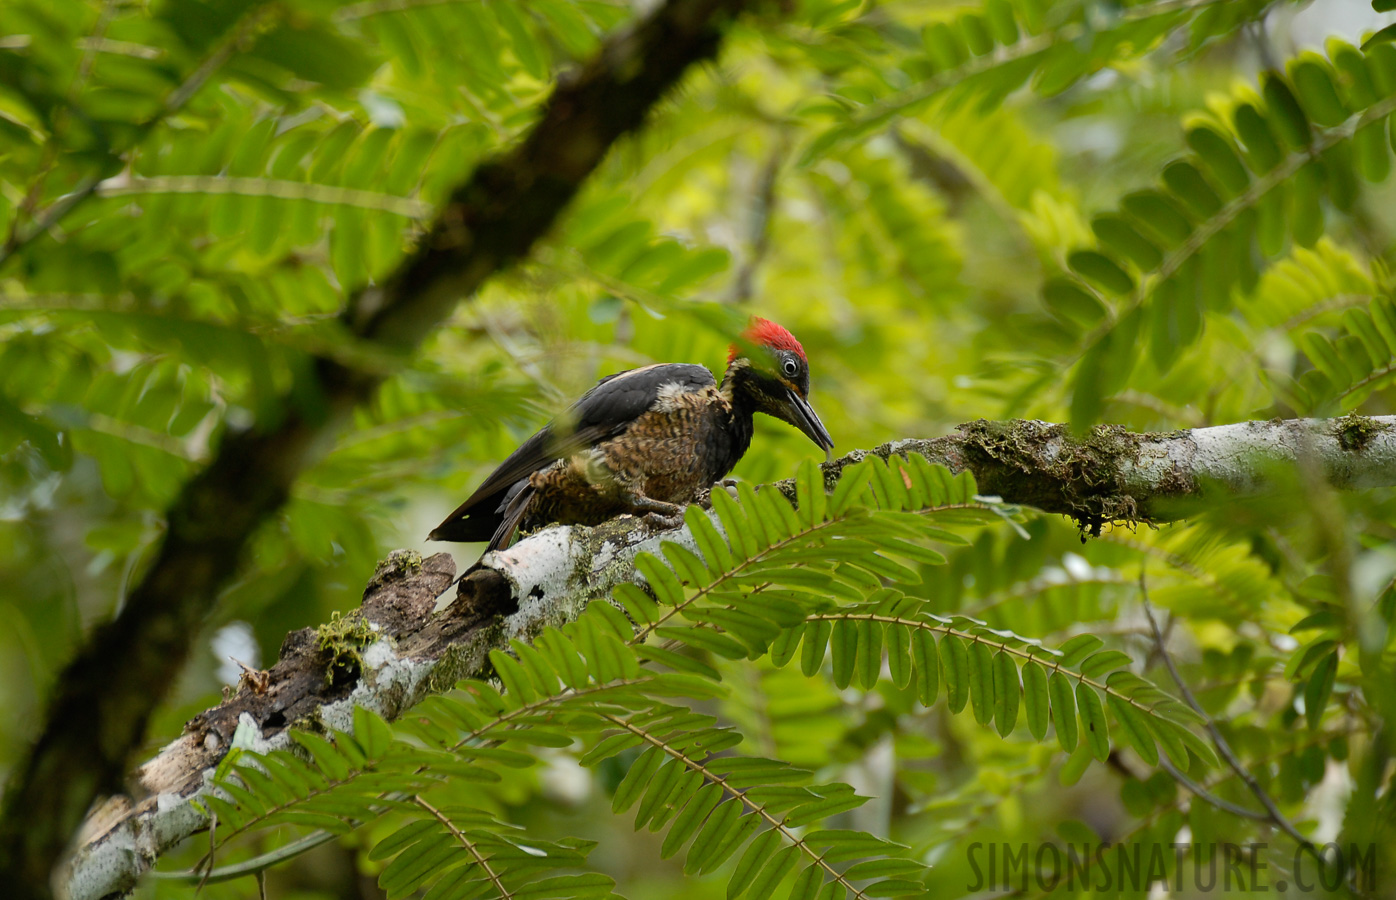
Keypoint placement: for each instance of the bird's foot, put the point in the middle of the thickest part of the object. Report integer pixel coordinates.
(639, 503)
(661, 521)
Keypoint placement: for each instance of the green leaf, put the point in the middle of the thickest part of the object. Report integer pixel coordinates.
(1166, 734)
(747, 825)
(371, 732)
(703, 639)
(1102, 270)
(1006, 693)
(899, 659)
(660, 578)
(1002, 23)
(1306, 208)
(943, 46)
(1189, 186)
(327, 757)
(1078, 648)
(1262, 150)
(1071, 301)
(1132, 723)
(1220, 156)
(843, 644)
(954, 658)
(399, 840)
(981, 682)
(766, 526)
(578, 887)
(1314, 83)
(690, 818)
(410, 868)
(717, 830)
(1319, 688)
(927, 664)
(851, 483)
(869, 653)
(976, 34)
(686, 564)
(757, 854)
(741, 533)
(662, 787)
(1384, 36)
(774, 871)
(1063, 710)
(1105, 661)
(518, 688)
(1093, 721)
(1199, 748)
(1036, 699)
(809, 493)
(784, 647)
(636, 780)
(817, 635)
(1371, 150)
(1157, 214)
(1117, 234)
(807, 883)
(1285, 113)
(715, 550)
(883, 868)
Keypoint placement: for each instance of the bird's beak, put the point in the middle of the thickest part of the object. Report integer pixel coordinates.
(799, 413)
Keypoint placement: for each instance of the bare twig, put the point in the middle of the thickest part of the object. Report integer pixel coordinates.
(1273, 814)
(1202, 793)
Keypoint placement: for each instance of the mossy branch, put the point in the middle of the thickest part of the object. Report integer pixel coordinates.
(1110, 474)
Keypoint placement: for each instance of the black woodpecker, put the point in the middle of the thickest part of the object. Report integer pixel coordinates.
(647, 441)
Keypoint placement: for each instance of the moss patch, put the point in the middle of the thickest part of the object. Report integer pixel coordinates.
(342, 639)
(1355, 432)
(1046, 466)
(399, 566)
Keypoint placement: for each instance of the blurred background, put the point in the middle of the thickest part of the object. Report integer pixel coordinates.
(819, 174)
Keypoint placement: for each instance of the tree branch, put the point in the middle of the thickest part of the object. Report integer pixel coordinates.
(549, 578)
(1113, 475)
(96, 720)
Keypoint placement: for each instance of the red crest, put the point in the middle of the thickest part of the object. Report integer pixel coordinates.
(766, 333)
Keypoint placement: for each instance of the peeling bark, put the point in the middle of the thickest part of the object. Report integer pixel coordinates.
(404, 643)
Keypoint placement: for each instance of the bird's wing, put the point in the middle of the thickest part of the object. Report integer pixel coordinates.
(617, 400)
(602, 413)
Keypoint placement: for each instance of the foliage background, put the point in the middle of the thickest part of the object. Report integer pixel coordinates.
(859, 171)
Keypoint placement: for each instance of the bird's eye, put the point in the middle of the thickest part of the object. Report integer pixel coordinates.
(791, 368)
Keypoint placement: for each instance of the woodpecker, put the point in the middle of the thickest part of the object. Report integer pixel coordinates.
(646, 441)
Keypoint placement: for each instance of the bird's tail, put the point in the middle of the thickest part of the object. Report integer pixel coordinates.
(513, 516)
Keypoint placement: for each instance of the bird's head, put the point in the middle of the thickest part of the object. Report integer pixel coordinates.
(768, 367)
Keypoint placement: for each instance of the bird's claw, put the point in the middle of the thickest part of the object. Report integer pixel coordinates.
(662, 522)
